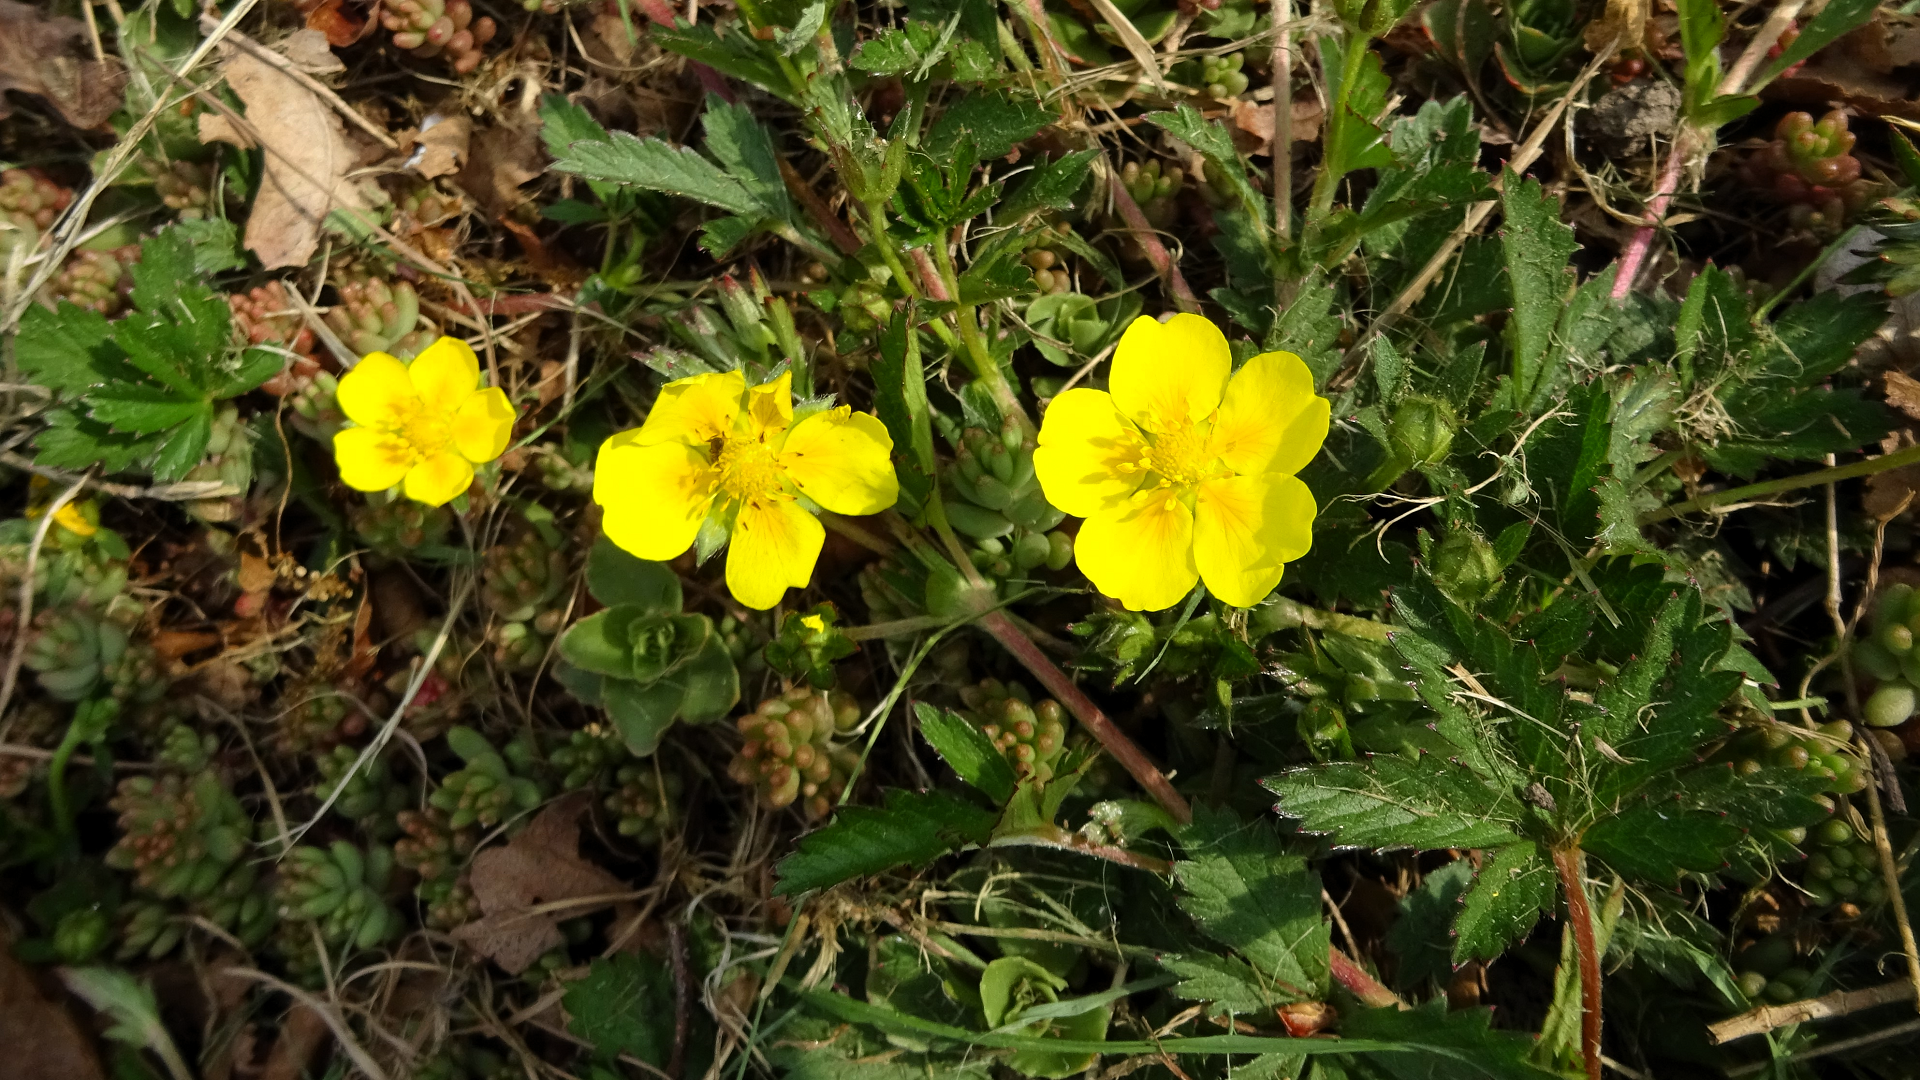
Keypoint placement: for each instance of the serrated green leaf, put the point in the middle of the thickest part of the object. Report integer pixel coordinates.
(890, 53)
(563, 123)
(744, 145)
(1247, 893)
(1509, 892)
(656, 165)
(1225, 982)
(69, 349)
(624, 1005)
(996, 120)
(1353, 139)
(142, 408)
(900, 398)
(1211, 139)
(913, 829)
(1391, 802)
(732, 54)
(1537, 247)
(1422, 937)
(1052, 186)
(968, 750)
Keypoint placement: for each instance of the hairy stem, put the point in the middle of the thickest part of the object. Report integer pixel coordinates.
(1362, 985)
(1149, 241)
(979, 357)
(1115, 741)
(1908, 456)
(1566, 860)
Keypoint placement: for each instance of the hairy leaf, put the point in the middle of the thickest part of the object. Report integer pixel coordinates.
(968, 750)
(913, 829)
(1508, 893)
(655, 165)
(1251, 896)
(624, 1006)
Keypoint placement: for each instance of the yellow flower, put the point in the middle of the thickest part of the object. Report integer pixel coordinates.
(428, 423)
(715, 450)
(1182, 472)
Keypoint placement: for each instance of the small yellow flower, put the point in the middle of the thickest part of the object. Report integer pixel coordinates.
(427, 424)
(1183, 472)
(714, 449)
(71, 519)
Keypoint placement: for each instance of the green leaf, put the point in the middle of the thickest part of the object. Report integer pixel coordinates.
(968, 750)
(1835, 20)
(744, 145)
(130, 1004)
(1225, 982)
(182, 447)
(996, 119)
(732, 54)
(655, 165)
(1422, 937)
(614, 577)
(891, 53)
(710, 684)
(900, 397)
(1353, 139)
(1508, 893)
(1251, 896)
(1051, 186)
(624, 1006)
(1391, 802)
(999, 279)
(1211, 139)
(69, 349)
(142, 408)
(563, 123)
(601, 642)
(1537, 248)
(215, 241)
(1458, 1045)
(913, 829)
(642, 711)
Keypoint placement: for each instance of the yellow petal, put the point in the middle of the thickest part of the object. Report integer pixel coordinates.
(377, 392)
(1141, 555)
(696, 409)
(1167, 372)
(1245, 528)
(482, 424)
(436, 480)
(1085, 447)
(655, 496)
(1271, 420)
(774, 547)
(371, 459)
(842, 460)
(769, 406)
(445, 372)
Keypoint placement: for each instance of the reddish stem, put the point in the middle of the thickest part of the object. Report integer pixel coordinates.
(1123, 749)
(1642, 242)
(817, 208)
(1355, 978)
(1149, 241)
(1586, 952)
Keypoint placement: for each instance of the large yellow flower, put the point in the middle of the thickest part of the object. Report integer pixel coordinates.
(1183, 472)
(427, 424)
(713, 448)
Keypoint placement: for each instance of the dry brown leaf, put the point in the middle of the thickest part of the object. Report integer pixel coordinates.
(440, 149)
(46, 55)
(503, 157)
(311, 52)
(1253, 124)
(1623, 26)
(40, 1037)
(540, 866)
(307, 158)
(1903, 393)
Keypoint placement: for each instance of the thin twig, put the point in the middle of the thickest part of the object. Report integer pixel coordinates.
(1890, 873)
(25, 608)
(1907, 456)
(1911, 1027)
(1839, 1003)
(182, 491)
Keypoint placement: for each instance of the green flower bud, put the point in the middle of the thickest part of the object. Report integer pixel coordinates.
(1890, 705)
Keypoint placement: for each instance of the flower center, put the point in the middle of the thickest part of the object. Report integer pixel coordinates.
(748, 469)
(1177, 452)
(424, 429)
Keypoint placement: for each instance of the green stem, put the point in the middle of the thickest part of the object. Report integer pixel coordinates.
(85, 727)
(1908, 456)
(1350, 64)
(895, 628)
(980, 358)
(877, 234)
